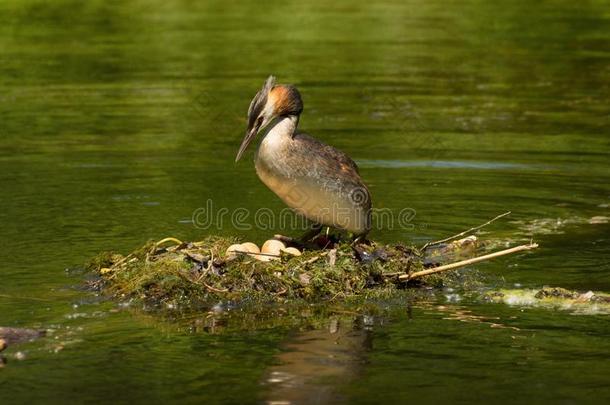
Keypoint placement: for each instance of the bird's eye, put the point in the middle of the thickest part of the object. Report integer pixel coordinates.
(260, 120)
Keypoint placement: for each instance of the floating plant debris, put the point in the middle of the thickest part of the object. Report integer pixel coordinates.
(584, 303)
(174, 274)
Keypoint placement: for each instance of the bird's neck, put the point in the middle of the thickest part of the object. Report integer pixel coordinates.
(277, 136)
(283, 126)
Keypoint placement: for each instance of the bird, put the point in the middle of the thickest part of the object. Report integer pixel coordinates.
(314, 179)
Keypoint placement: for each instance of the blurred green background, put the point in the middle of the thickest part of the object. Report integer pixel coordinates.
(118, 119)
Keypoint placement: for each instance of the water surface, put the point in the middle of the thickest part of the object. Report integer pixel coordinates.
(119, 119)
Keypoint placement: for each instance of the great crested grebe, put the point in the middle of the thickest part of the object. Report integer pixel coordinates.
(315, 179)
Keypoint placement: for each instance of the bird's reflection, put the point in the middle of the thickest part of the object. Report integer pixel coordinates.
(315, 362)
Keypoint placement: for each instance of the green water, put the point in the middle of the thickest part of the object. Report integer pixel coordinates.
(118, 119)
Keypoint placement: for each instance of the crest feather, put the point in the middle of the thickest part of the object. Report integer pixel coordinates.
(260, 99)
(269, 83)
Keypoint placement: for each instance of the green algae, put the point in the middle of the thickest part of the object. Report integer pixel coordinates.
(199, 276)
(196, 275)
(556, 298)
(289, 315)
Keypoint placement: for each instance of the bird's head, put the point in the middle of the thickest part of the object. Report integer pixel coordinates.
(271, 102)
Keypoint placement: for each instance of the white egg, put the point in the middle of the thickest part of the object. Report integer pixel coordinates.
(231, 251)
(250, 247)
(273, 246)
(292, 250)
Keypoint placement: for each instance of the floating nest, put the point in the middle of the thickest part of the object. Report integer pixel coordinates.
(174, 274)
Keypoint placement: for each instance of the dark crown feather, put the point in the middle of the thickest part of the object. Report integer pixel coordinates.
(260, 99)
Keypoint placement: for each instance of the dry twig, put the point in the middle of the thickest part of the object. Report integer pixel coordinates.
(255, 253)
(217, 290)
(476, 228)
(462, 263)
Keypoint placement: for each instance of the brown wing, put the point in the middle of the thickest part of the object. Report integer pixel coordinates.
(325, 153)
(328, 190)
(332, 169)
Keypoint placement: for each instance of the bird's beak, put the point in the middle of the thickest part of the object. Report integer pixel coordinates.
(250, 134)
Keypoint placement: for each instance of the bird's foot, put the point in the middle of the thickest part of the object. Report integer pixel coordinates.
(289, 241)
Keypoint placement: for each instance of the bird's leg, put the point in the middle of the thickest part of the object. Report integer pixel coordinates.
(311, 233)
(358, 239)
(289, 240)
(303, 240)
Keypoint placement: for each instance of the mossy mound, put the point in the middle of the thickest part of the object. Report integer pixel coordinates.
(176, 274)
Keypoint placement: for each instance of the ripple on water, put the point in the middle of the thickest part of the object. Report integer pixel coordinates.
(442, 164)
